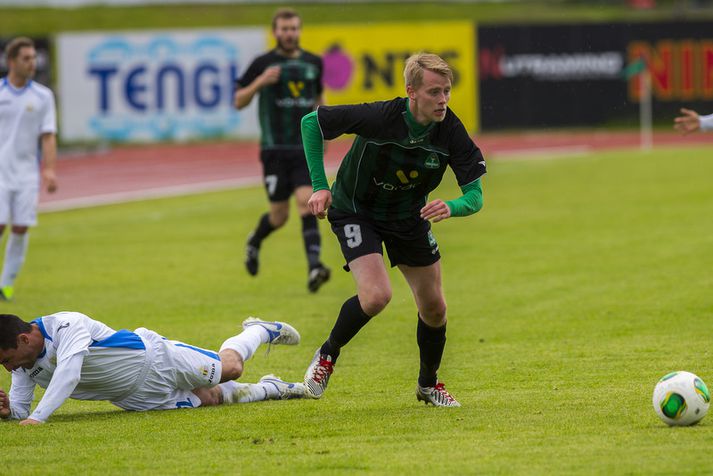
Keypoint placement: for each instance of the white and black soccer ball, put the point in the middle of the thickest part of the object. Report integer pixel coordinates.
(681, 399)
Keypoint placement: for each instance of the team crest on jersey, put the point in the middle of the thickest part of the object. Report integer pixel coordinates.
(432, 161)
(30, 108)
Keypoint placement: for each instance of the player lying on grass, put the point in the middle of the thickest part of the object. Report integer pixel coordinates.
(74, 356)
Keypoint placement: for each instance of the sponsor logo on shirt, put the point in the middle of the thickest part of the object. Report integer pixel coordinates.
(296, 88)
(389, 187)
(36, 371)
(209, 372)
(295, 102)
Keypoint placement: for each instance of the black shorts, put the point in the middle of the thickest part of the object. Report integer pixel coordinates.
(408, 242)
(283, 171)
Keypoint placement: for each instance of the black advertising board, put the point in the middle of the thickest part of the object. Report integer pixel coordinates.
(572, 75)
(42, 45)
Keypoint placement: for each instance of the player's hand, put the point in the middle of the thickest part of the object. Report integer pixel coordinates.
(270, 76)
(4, 405)
(50, 179)
(436, 211)
(689, 122)
(30, 421)
(319, 202)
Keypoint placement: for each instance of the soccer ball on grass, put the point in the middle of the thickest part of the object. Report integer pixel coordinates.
(681, 399)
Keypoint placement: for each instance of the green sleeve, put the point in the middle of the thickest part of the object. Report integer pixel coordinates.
(313, 144)
(471, 201)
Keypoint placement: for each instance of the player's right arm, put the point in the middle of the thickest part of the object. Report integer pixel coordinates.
(329, 122)
(690, 121)
(313, 144)
(16, 405)
(244, 94)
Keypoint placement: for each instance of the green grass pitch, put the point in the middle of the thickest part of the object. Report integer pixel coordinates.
(581, 282)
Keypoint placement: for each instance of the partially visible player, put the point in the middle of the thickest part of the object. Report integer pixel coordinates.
(74, 356)
(380, 198)
(690, 122)
(288, 81)
(27, 117)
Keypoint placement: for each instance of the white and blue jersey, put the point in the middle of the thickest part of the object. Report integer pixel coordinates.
(87, 360)
(25, 114)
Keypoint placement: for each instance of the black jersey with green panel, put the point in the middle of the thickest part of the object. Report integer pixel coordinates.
(282, 105)
(390, 169)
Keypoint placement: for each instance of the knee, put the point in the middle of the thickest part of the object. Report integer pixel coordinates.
(374, 300)
(232, 365)
(278, 218)
(434, 313)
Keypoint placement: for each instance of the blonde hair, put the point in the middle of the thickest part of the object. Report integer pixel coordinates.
(413, 71)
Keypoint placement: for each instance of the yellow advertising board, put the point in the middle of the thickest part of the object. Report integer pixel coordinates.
(365, 62)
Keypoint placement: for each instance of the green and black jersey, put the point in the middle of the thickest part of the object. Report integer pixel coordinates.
(394, 162)
(282, 105)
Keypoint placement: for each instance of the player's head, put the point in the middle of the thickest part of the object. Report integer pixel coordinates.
(21, 57)
(15, 348)
(428, 85)
(286, 27)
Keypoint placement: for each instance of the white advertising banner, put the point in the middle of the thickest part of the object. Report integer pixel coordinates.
(155, 85)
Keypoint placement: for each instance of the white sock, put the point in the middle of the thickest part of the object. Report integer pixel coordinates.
(234, 392)
(247, 342)
(14, 257)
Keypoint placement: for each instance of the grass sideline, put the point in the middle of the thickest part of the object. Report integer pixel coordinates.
(46, 20)
(580, 283)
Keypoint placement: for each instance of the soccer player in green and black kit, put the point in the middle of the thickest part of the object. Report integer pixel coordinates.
(289, 82)
(399, 156)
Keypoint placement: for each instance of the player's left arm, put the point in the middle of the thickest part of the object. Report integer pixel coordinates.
(468, 165)
(48, 141)
(64, 380)
(49, 161)
(467, 204)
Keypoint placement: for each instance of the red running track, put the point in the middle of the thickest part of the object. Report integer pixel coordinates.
(139, 172)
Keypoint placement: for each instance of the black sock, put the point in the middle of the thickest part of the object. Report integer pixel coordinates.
(312, 240)
(350, 321)
(264, 228)
(431, 342)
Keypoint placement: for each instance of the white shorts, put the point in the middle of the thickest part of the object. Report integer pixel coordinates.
(176, 369)
(19, 207)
